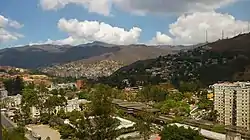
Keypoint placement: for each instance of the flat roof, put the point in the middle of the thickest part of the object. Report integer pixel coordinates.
(134, 105)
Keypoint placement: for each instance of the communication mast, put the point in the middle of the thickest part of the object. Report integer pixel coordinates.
(222, 34)
(206, 36)
(248, 26)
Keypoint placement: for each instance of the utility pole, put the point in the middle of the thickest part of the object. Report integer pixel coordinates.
(222, 34)
(206, 36)
(248, 26)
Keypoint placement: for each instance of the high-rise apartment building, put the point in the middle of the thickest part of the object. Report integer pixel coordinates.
(232, 101)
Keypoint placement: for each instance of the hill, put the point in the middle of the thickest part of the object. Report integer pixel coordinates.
(223, 60)
(105, 64)
(36, 56)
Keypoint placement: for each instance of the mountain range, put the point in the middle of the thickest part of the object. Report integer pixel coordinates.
(40, 56)
(106, 63)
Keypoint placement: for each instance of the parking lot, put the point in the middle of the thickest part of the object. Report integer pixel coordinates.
(45, 131)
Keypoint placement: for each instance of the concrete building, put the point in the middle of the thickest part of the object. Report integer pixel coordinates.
(80, 84)
(3, 93)
(34, 112)
(37, 79)
(232, 101)
(74, 104)
(14, 101)
(62, 86)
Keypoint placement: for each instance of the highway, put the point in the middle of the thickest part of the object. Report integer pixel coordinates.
(6, 122)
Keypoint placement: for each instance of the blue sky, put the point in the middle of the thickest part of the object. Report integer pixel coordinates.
(40, 21)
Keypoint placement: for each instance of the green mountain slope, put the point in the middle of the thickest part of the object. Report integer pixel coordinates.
(223, 60)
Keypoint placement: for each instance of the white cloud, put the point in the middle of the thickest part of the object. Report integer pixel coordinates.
(88, 31)
(6, 35)
(140, 7)
(188, 29)
(170, 6)
(68, 40)
(15, 24)
(191, 29)
(3, 21)
(161, 39)
(96, 6)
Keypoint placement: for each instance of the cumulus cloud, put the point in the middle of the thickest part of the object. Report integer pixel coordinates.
(3, 21)
(97, 6)
(88, 31)
(140, 7)
(170, 6)
(161, 39)
(191, 29)
(6, 35)
(68, 40)
(15, 24)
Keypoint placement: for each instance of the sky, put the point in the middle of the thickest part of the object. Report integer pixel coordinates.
(123, 22)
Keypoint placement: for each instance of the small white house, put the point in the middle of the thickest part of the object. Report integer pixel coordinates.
(74, 104)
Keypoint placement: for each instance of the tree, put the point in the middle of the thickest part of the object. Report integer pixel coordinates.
(179, 133)
(74, 116)
(204, 102)
(66, 131)
(188, 86)
(44, 118)
(18, 85)
(17, 117)
(180, 108)
(83, 95)
(14, 86)
(53, 101)
(14, 134)
(177, 96)
(144, 124)
(152, 93)
(97, 122)
(212, 116)
(29, 99)
(102, 109)
(55, 121)
(8, 84)
(54, 92)
(82, 106)
(61, 114)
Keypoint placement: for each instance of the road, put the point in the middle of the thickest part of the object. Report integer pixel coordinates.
(6, 122)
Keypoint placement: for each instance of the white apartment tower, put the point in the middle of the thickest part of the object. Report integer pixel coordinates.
(232, 101)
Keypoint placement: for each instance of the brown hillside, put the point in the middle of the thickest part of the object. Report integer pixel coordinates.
(240, 43)
(130, 54)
